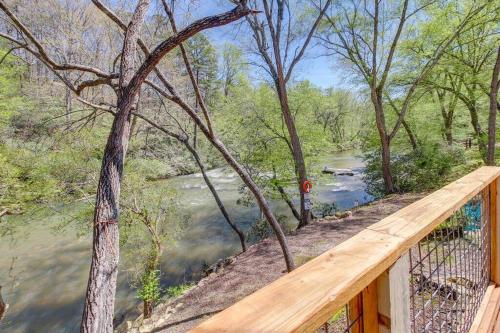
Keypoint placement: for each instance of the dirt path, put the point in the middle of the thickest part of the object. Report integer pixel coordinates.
(262, 264)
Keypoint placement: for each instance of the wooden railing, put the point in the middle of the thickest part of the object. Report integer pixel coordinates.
(370, 272)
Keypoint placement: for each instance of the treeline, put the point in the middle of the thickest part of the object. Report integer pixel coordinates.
(143, 81)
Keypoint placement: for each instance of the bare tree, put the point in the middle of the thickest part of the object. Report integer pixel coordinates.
(281, 45)
(99, 301)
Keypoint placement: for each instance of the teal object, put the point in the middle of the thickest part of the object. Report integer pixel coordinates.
(473, 214)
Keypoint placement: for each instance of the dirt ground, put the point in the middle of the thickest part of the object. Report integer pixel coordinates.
(262, 264)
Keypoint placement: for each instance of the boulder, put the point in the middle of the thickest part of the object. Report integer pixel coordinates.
(342, 215)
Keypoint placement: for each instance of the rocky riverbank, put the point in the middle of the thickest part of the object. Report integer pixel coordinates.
(259, 266)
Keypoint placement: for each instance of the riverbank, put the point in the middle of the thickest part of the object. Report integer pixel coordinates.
(259, 266)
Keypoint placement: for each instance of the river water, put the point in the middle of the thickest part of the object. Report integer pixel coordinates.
(44, 272)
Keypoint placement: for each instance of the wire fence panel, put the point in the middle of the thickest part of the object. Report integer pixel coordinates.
(348, 319)
(450, 270)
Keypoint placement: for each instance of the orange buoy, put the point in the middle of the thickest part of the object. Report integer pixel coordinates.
(307, 186)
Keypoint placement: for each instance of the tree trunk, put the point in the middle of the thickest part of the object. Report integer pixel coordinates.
(448, 125)
(99, 301)
(386, 165)
(492, 119)
(289, 202)
(212, 189)
(478, 132)
(384, 140)
(147, 309)
(259, 197)
(68, 104)
(447, 116)
(411, 135)
(100, 296)
(448, 135)
(298, 157)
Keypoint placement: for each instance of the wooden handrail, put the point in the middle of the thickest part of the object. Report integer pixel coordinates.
(307, 297)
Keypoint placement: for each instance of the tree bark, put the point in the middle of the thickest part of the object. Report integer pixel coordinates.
(386, 165)
(100, 296)
(212, 189)
(385, 141)
(68, 104)
(261, 201)
(300, 167)
(289, 202)
(411, 135)
(259, 197)
(492, 118)
(478, 131)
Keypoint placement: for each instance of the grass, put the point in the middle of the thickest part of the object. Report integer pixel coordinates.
(178, 290)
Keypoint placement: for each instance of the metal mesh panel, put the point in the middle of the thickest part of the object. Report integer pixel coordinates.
(343, 321)
(450, 270)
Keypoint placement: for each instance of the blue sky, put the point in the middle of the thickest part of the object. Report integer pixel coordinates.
(319, 70)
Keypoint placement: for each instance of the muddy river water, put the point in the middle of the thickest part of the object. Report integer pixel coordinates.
(43, 272)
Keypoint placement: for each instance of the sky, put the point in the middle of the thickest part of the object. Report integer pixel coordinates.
(313, 67)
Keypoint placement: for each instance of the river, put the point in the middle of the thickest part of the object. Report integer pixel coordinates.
(44, 271)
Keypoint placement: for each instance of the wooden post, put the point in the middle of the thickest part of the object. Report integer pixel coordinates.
(370, 308)
(393, 294)
(494, 211)
(355, 311)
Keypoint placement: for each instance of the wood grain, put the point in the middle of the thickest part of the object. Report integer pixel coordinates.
(495, 230)
(370, 308)
(304, 299)
(487, 313)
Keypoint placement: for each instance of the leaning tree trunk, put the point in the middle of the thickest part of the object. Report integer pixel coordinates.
(100, 297)
(259, 197)
(492, 119)
(289, 202)
(99, 301)
(411, 135)
(212, 189)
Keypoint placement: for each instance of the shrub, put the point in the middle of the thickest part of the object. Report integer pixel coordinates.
(150, 290)
(417, 170)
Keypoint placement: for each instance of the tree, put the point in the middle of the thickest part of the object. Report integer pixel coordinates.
(151, 223)
(448, 104)
(494, 106)
(99, 301)
(368, 37)
(232, 66)
(203, 61)
(464, 66)
(183, 138)
(286, 37)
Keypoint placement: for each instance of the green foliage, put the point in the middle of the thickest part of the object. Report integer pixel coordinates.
(416, 170)
(251, 124)
(178, 290)
(203, 59)
(325, 209)
(150, 289)
(261, 229)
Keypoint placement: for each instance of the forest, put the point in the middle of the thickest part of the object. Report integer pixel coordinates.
(146, 145)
